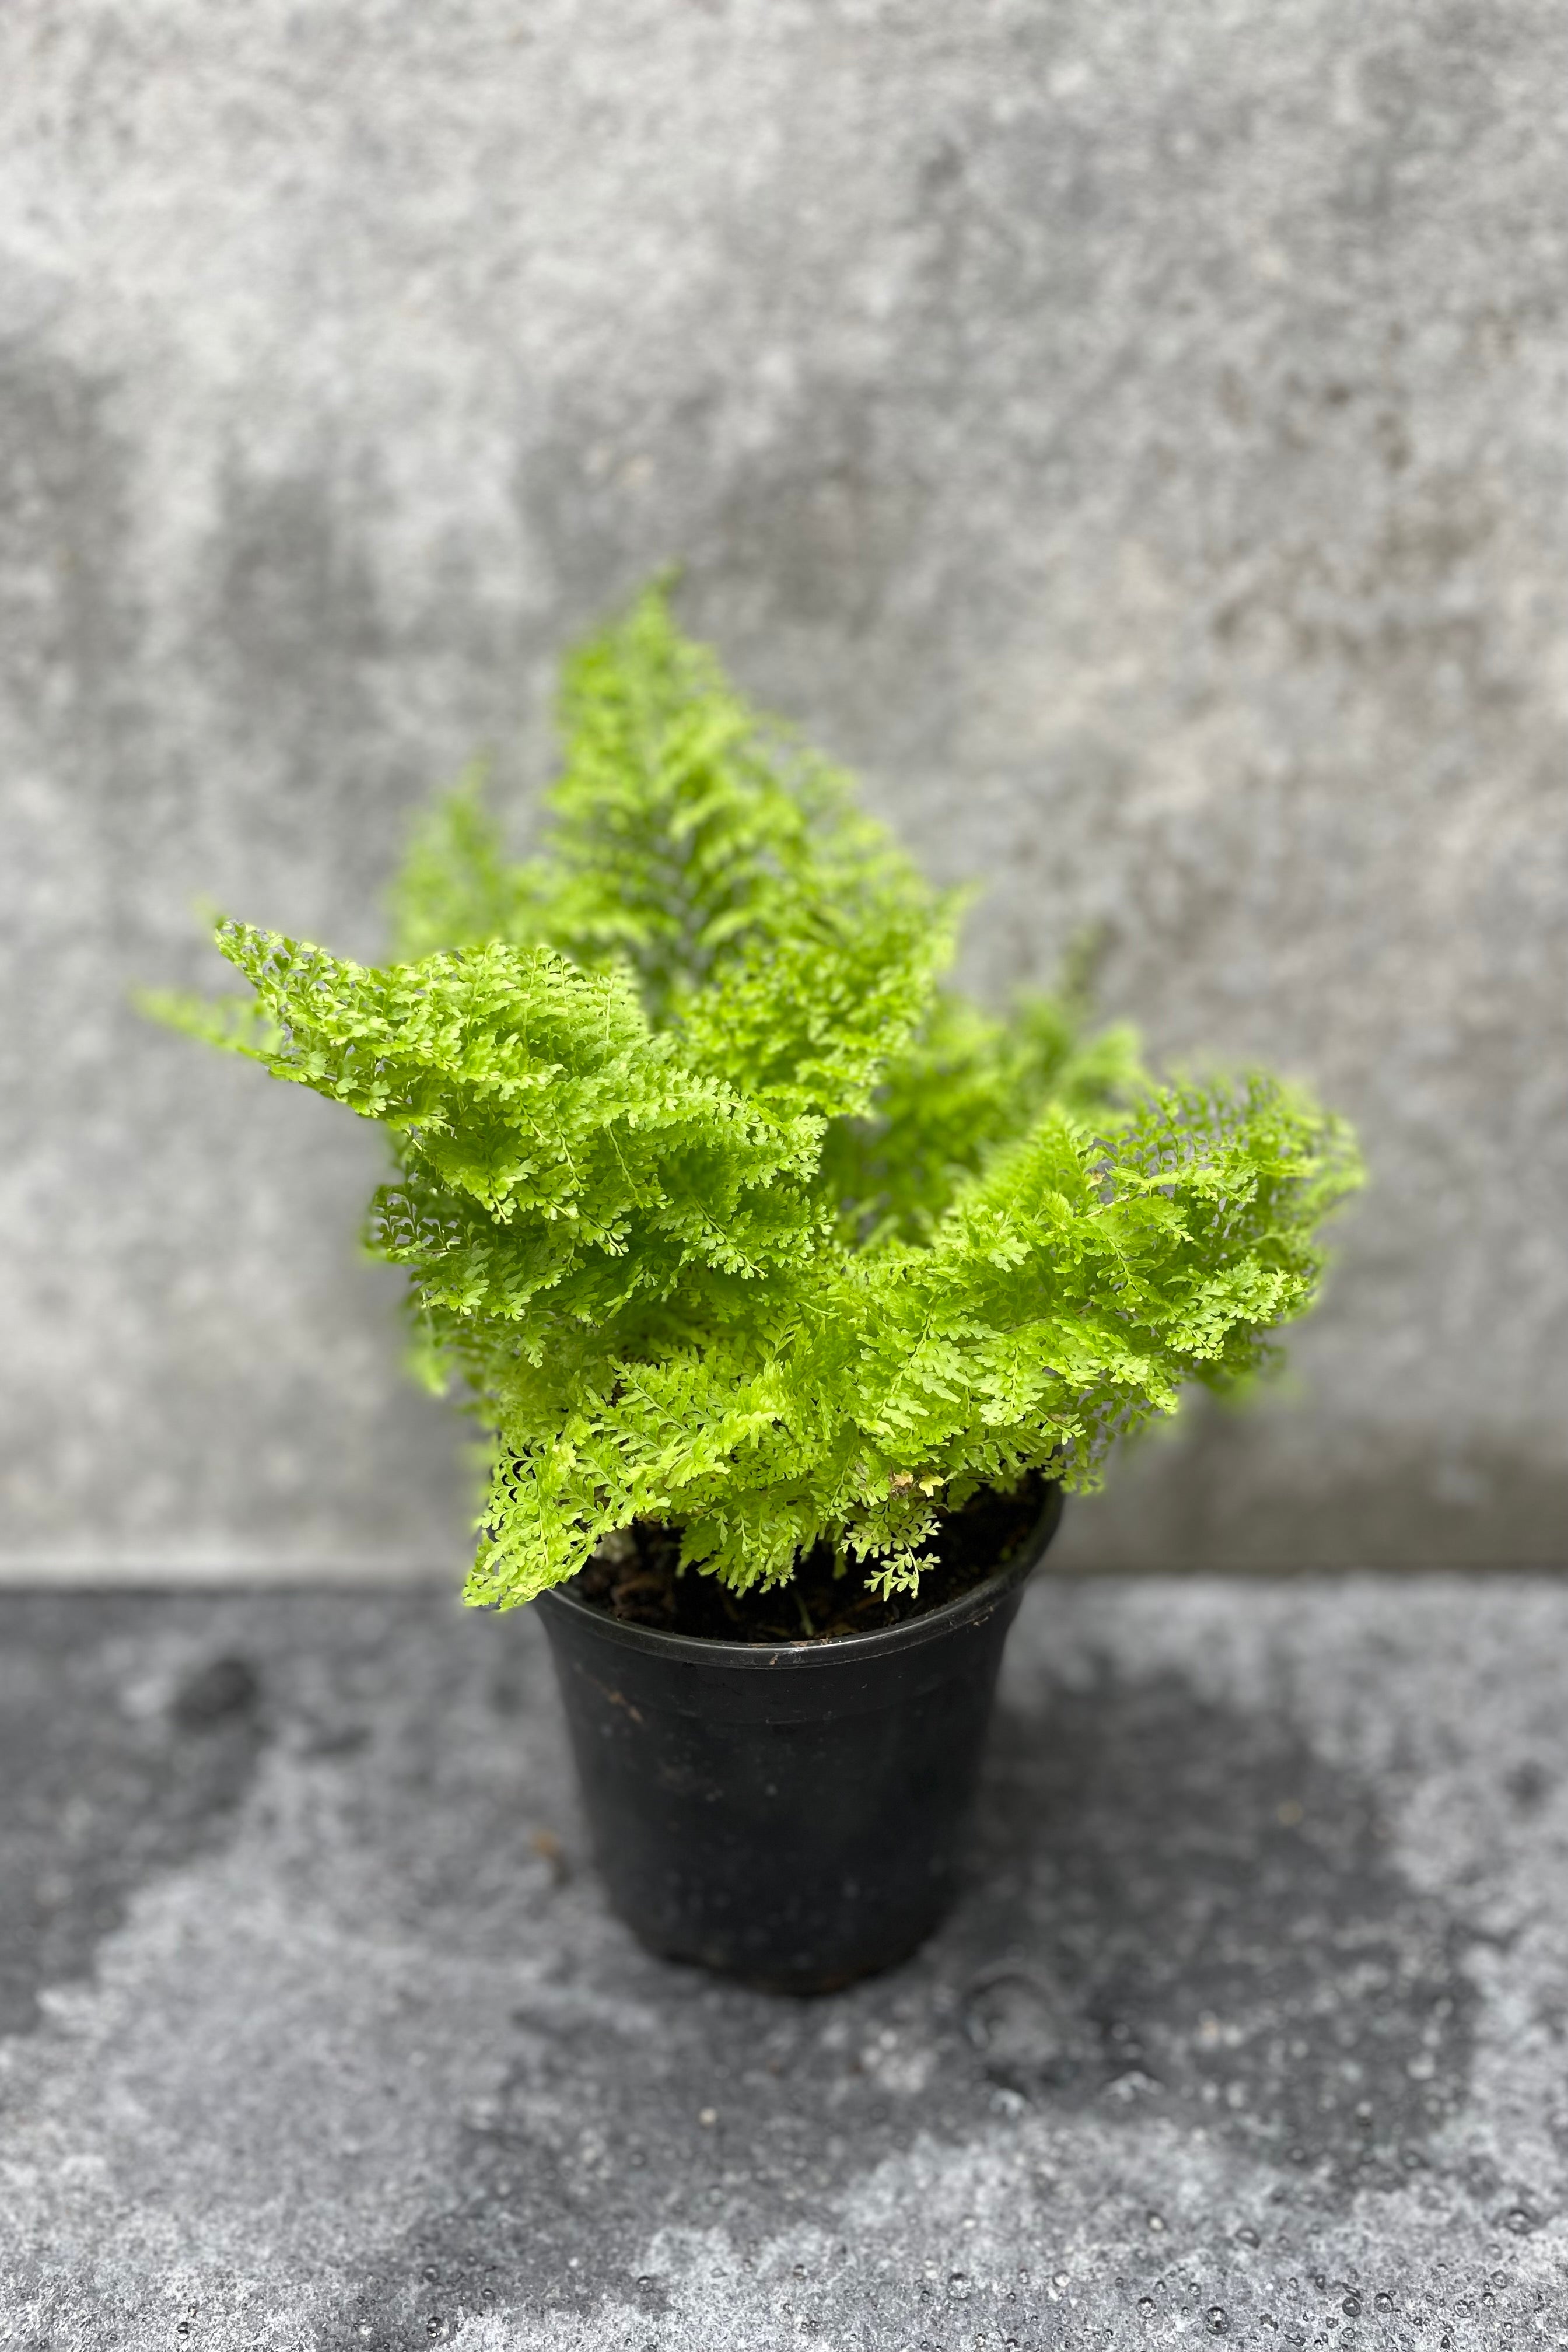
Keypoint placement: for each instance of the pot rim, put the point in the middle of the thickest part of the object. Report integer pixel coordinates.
(838, 1649)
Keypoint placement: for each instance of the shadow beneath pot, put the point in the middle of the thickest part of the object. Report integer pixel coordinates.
(1173, 1904)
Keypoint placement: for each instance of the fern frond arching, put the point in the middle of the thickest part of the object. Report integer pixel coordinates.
(723, 1207)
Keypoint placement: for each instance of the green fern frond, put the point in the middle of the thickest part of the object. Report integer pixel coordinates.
(723, 1210)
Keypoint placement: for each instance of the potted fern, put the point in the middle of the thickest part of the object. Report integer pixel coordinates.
(791, 1289)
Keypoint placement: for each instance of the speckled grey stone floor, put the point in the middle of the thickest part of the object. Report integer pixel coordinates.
(316, 2032)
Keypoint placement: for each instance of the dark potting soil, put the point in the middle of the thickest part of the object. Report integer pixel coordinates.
(637, 1580)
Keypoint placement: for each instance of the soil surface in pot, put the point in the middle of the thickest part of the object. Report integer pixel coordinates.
(635, 1578)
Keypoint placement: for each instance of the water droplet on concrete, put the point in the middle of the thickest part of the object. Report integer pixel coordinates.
(1156, 2220)
(1352, 2306)
(1245, 2237)
(223, 1687)
(958, 2285)
(1145, 2304)
(1216, 2319)
(1382, 2300)
(1519, 2222)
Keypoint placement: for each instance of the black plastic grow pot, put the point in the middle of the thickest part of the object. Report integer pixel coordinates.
(793, 1816)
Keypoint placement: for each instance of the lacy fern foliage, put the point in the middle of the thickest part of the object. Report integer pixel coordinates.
(723, 1208)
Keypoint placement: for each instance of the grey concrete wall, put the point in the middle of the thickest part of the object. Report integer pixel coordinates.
(1134, 435)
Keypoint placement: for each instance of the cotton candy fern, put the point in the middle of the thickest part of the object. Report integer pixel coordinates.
(723, 1209)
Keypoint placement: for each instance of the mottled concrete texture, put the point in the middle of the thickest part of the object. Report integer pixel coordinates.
(1133, 435)
(315, 2035)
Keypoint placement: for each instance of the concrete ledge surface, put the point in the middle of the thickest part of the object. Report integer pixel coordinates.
(315, 2033)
